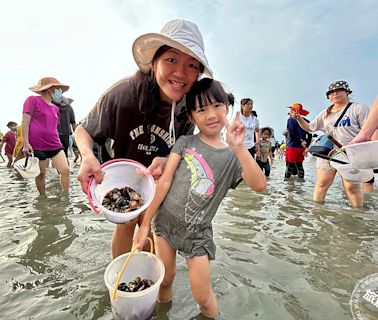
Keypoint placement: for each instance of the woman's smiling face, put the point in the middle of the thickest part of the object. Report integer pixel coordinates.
(175, 72)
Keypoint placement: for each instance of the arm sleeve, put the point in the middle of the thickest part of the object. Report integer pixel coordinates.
(97, 122)
(362, 115)
(29, 105)
(318, 123)
(179, 145)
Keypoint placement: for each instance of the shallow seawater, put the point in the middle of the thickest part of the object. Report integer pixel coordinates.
(279, 255)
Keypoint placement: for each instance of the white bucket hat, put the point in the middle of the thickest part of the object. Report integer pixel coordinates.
(179, 34)
(27, 167)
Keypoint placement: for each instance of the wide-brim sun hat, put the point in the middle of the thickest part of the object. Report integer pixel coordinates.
(340, 84)
(299, 107)
(48, 82)
(182, 35)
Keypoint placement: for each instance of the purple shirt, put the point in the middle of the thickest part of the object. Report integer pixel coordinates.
(43, 133)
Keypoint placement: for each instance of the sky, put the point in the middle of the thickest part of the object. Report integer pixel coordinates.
(277, 52)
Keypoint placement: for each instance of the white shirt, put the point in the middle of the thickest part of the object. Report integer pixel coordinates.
(250, 123)
(349, 125)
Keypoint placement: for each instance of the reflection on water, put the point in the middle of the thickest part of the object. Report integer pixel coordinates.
(279, 255)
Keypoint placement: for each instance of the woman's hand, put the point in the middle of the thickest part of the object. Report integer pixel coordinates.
(157, 166)
(296, 114)
(361, 137)
(27, 149)
(89, 167)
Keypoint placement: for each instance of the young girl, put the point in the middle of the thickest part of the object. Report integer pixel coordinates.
(199, 171)
(266, 158)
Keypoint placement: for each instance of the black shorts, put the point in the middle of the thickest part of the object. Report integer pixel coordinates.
(45, 154)
(65, 140)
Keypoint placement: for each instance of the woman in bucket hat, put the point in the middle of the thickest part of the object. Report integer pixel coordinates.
(143, 114)
(348, 127)
(39, 130)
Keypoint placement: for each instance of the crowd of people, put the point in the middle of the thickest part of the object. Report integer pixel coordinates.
(44, 133)
(172, 93)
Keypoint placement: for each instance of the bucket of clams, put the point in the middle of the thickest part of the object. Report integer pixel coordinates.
(133, 290)
(125, 192)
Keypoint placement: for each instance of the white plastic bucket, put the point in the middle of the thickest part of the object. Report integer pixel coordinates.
(27, 167)
(349, 172)
(363, 155)
(120, 173)
(135, 305)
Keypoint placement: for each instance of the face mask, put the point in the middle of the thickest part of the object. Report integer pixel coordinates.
(57, 95)
(14, 129)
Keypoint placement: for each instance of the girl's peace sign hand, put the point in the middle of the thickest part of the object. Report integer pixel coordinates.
(235, 131)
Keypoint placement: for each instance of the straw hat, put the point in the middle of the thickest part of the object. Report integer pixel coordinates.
(179, 34)
(299, 107)
(48, 82)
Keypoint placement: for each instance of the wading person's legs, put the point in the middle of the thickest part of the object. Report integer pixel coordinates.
(324, 179)
(168, 255)
(354, 193)
(40, 179)
(199, 276)
(60, 163)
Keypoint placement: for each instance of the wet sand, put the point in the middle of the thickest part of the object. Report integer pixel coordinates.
(279, 255)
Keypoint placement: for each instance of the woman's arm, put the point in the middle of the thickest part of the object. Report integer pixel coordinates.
(302, 122)
(370, 126)
(26, 147)
(90, 166)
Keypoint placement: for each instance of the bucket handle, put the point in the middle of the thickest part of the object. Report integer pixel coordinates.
(89, 194)
(126, 262)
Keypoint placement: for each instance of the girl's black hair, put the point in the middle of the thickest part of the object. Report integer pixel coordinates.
(231, 99)
(206, 91)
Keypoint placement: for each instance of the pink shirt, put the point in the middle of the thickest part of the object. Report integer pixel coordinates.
(10, 140)
(43, 132)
